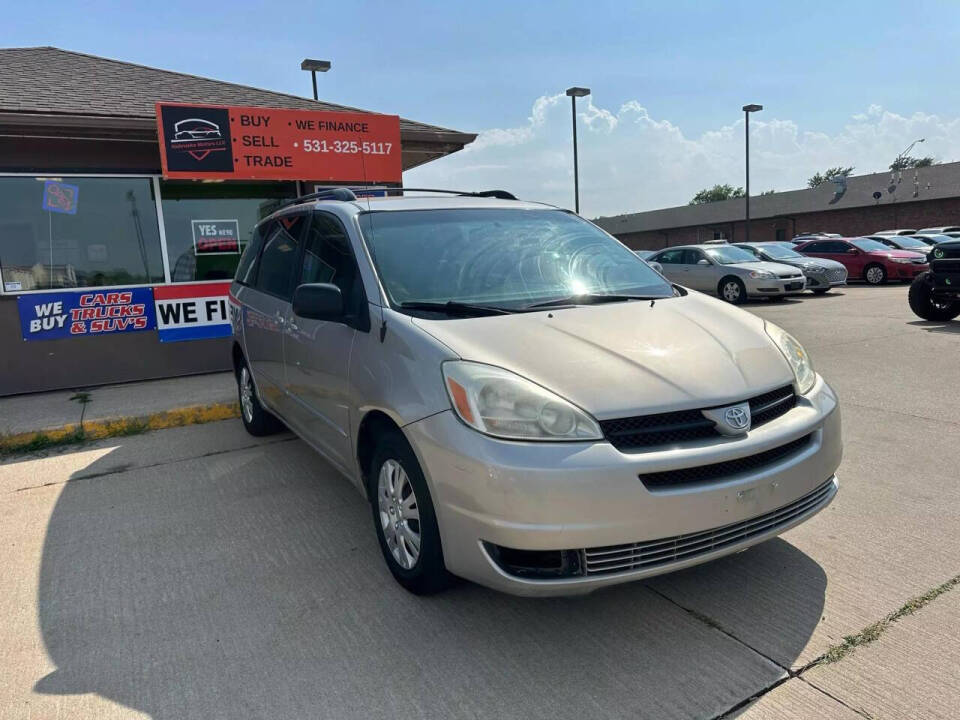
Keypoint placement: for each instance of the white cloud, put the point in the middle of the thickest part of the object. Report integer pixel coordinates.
(630, 161)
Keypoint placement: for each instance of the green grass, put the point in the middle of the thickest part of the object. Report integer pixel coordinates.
(874, 631)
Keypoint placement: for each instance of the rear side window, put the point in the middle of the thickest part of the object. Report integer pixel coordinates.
(670, 257)
(247, 269)
(815, 247)
(278, 261)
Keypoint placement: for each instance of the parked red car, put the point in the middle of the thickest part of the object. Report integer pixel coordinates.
(867, 259)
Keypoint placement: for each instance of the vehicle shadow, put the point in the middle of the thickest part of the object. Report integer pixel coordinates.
(249, 584)
(950, 326)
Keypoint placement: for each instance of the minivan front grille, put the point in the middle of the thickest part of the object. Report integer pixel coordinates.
(642, 431)
(725, 469)
(653, 553)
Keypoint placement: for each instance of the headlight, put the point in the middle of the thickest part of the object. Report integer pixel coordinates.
(901, 260)
(497, 402)
(797, 357)
(761, 275)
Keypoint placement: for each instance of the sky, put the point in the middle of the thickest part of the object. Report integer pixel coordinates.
(849, 83)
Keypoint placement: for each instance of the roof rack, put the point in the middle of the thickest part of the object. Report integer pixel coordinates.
(350, 194)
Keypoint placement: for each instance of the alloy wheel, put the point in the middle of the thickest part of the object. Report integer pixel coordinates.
(246, 394)
(399, 514)
(731, 292)
(875, 275)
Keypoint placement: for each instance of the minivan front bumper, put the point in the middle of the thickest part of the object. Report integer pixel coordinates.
(588, 500)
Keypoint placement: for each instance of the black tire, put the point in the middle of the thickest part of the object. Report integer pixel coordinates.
(257, 421)
(732, 290)
(821, 291)
(874, 278)
(925, 305)
(427, 574)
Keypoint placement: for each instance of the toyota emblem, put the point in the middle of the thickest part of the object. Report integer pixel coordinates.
(736, 417)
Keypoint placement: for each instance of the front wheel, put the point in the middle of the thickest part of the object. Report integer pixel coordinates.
(925, 303)
(733, 290)
(875, 274)
(404, 518)
(821, 291)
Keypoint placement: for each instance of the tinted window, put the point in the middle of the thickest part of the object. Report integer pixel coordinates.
(328, 258)
(670, 257)
(815, 247)
(78, 232)
(278, 260)
(247, 269)
(510, 257)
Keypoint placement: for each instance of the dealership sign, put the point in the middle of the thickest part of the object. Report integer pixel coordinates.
(54, 315)
(192, 312)
(251, 143)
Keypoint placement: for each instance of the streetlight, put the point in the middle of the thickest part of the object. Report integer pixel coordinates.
(747, 109)
(896, 163)
(573, 93)
(315, 66)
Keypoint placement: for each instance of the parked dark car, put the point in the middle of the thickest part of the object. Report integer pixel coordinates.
(913, 243)
(821, 274)
(868, 259)
(935, 294)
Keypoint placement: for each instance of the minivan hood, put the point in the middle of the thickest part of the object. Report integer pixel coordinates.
(629, 358)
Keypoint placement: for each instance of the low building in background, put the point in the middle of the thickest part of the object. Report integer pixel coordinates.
(858, 205)
(104, 262)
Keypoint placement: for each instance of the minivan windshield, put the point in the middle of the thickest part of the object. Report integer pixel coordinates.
(728, 255)
(501, 257)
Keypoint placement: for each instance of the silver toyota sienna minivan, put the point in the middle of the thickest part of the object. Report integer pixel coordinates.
(524, 402)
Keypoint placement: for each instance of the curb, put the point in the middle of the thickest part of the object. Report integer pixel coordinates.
(117, 427)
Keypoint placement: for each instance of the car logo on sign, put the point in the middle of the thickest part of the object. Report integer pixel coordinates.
(731, 420)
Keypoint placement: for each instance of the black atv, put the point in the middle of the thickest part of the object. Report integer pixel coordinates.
(935, 294)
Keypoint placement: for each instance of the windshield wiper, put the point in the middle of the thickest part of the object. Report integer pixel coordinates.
(590, 299)
(452, 307)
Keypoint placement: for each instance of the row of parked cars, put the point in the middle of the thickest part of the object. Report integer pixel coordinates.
(819, 263)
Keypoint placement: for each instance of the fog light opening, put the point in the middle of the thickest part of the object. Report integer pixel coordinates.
(536, 563)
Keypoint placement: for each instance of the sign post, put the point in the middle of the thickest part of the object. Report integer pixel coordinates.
(251, 143)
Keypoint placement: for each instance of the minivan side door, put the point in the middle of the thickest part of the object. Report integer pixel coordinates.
(317, 352)
(266, 304)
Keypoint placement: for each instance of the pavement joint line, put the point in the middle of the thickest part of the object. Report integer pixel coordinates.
(121, 471)
(85, 430)
(710, 622)
(753, 698)
(873, 632)
(904, 414)
(851, 708)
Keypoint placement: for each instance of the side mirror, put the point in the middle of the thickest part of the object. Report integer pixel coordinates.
(853, 251)
(318, 301)
(703, 261)
(656, 266)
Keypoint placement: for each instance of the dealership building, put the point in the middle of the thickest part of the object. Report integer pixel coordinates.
(859, 205)
(95, 236)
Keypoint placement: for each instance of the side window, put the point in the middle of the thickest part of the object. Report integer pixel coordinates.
(278, 261)
(838, 247)
(247, 269)
(692, 257)
(328, 258)
(815, 247)
(669, 257)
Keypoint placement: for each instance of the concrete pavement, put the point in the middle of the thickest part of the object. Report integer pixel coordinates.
(198, 572)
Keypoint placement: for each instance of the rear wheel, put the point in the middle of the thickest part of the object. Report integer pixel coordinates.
(925, 303)
(404, 518)
(256, 420)
(875, 274)
(732, 290)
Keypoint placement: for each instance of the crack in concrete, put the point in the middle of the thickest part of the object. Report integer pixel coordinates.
(127, 468)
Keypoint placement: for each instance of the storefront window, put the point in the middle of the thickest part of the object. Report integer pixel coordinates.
(78, 232)
(208, 225)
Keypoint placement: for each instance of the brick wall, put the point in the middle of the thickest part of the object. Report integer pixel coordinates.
(847, 222)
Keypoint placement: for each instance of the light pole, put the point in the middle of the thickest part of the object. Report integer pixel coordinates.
(573, 93)
(896, 163)
(747, 109)
(315, 66)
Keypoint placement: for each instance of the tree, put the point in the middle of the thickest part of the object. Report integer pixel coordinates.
(829, 174)
(907, 162)
(716, 193)
(768, 192)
